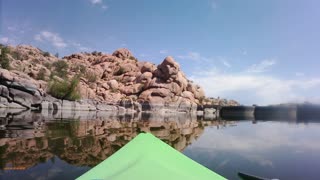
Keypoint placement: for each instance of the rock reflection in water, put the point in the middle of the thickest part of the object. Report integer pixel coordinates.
(28, 139)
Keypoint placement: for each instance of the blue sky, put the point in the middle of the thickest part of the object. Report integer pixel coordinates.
(253, 51)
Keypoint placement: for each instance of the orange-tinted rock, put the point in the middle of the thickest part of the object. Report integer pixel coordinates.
(122, 53)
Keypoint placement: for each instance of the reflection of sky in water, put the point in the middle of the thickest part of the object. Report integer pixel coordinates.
(270, 149)
(52, 169)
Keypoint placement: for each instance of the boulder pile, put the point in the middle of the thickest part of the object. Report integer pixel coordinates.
(105, 82)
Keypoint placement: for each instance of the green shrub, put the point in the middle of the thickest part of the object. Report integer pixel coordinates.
(119, 72)
(201, 100)
(66, 90)
(46, 54)
(41, 74)
(91, 77)
(47, 65)
(79, 69)
(5, 62)
(114, 90)
(133, 58)
(82, 69)
(16, 55)
(61, 68)
(57, 55)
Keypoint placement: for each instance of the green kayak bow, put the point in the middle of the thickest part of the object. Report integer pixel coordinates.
(148, 158)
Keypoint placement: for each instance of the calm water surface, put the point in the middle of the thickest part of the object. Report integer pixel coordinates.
(33, 147)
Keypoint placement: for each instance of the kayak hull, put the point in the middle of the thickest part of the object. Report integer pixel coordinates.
(147, 157)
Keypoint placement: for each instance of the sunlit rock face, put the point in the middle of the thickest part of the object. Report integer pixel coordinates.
(104, 78)
(88, 142)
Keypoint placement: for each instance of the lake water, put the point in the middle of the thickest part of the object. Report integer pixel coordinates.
(32, 147)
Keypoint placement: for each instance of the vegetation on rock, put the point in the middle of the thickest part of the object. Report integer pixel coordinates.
(46, 54)
(133, 58)
(16, 55)
(61, 68)
(41, 74)
(119, 72)
(91, 77)
(5, 62)
(66, 89)
(105, 77)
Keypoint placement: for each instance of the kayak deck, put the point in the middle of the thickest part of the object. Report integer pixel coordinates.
(147, 157)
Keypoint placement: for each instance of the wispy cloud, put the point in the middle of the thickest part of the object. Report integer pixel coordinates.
(262, 66)
(11, 28)
(144, 55)
(80, 47)
(250, 88)
(195, 56)
(15, 29)
(163, 51)
(225, 63)
(51, 37)
(4, 40)
(99, 3)
(96, 1)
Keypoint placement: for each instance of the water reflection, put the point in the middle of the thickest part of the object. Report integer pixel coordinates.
(67, 144)
(268, 148)
(31, 141)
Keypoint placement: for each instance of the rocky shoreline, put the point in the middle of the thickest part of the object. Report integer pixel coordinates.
(103, 82)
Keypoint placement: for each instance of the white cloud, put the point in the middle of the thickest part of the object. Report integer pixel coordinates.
(15, 29)
(96, 1)
(163, 51)
(11, 28)
(256, 89)
(38, 37)
(225, 63)
(4, 40)
(80, 46)
(100, 3)
(195, 56)
(53, 38)
(262, 66)
(143, 55)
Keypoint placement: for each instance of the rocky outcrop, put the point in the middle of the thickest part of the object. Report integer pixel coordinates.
(104, 79)
(166, 89)
(20, 90)
(219, 102)
(122, 53)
